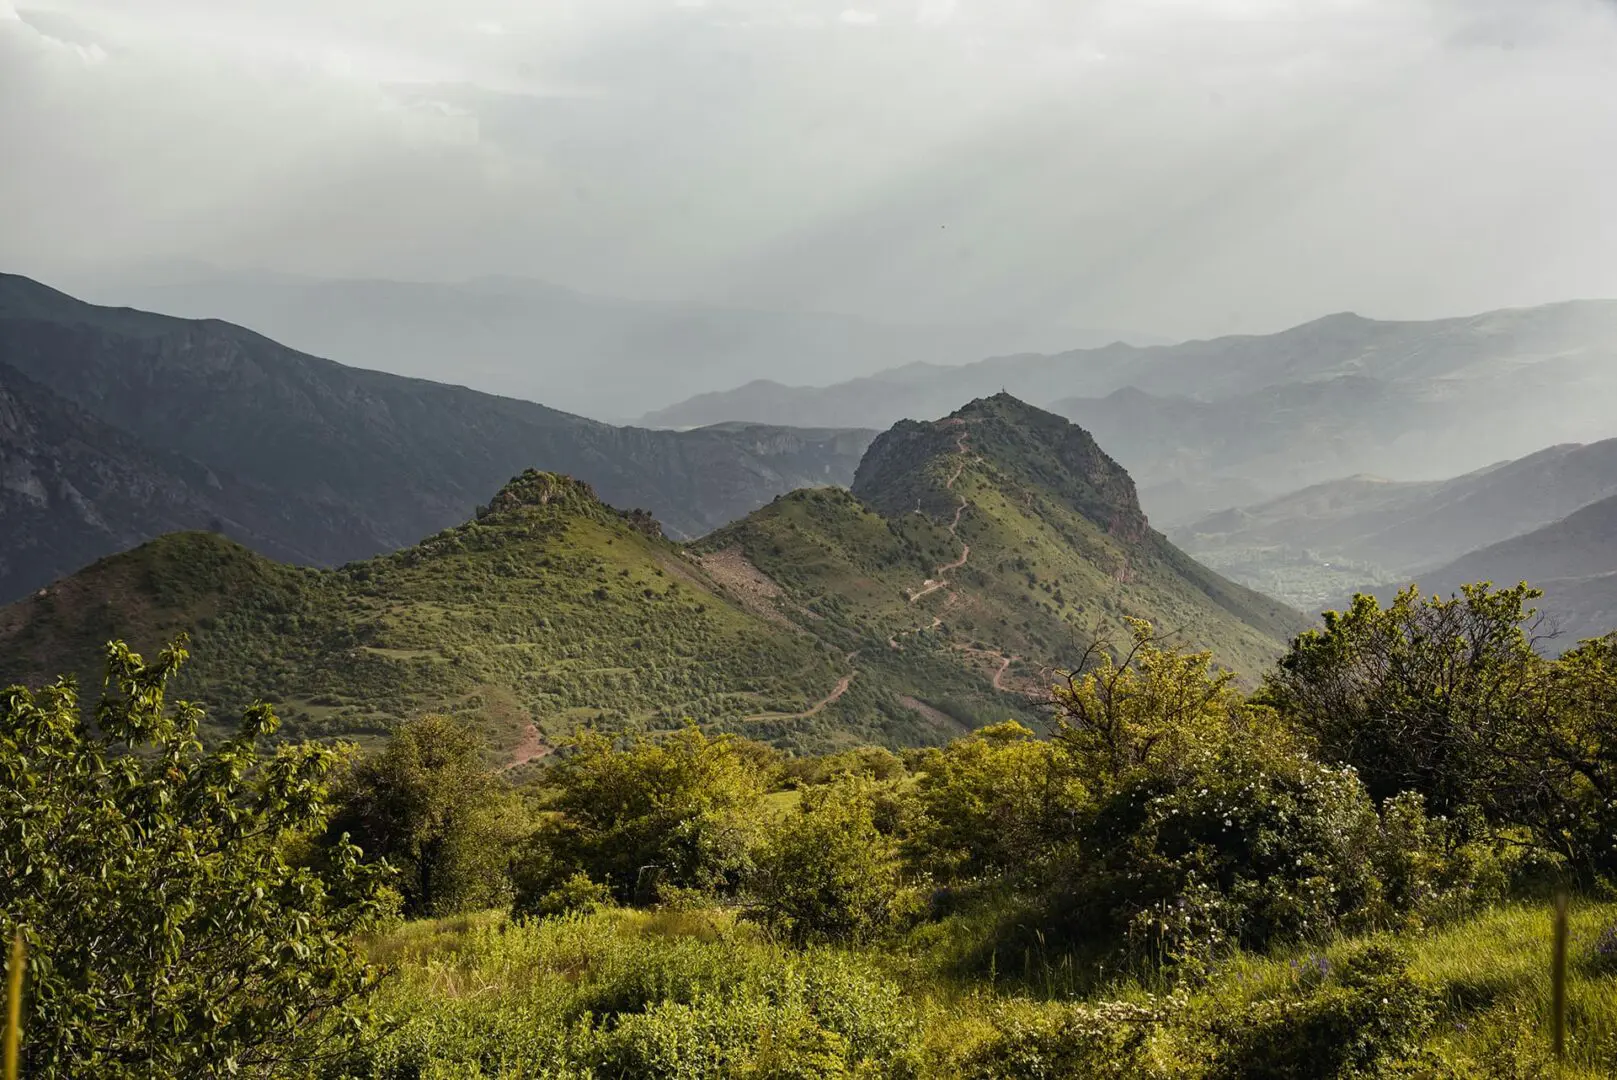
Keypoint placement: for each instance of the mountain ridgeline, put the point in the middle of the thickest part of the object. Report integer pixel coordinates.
(1318, 544)
(1205, 425)
(973, 558)
(119, 425)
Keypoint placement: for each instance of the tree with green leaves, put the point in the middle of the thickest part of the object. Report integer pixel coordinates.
(1429, 695)
(678, 811)
(1157, 710)
(1560, 769)
(430, 805)
(825, 871)
(170, 929)
(998, 801)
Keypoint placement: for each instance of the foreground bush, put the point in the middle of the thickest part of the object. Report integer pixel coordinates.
(676, 813)
(169, 932)
(1254, 849)
(825, 872)
(1359, 1017)
(430, 805)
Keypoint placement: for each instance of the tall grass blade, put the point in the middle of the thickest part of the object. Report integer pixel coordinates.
(1558, 977)
(14, 1005)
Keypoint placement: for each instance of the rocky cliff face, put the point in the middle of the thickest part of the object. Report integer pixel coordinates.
(73, 489)
(324, 464)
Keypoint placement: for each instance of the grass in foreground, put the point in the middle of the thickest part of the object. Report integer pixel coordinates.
(697, 993)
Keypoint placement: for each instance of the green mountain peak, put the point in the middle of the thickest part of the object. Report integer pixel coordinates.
(974, 556)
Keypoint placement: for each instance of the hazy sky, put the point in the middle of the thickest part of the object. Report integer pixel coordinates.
(1184, 167)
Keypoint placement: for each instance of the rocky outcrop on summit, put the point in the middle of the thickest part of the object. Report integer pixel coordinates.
(547, 489)
(1044, 452)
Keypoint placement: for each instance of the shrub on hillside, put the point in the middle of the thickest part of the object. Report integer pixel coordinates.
(679, 811)
(1107, 1041)
(1158, 714)
(1364, 1017)
(430, 805)
(1254, 849)
(1426, 695)
(868, 762)
(170, 931)
(826, 872)
(1568, 765)
(998, 801)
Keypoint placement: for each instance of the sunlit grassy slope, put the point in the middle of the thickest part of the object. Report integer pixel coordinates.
(825, 619)
(479, 996)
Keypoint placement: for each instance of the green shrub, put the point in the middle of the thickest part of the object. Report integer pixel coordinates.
(826, 872)
(574, 893)
(1426, 873)
(1422, 695)
(170, 930)
(996, 801)
(1354, 1021)
(1051, 1042)
(1257, 849)
(679, 812)
(429, 805)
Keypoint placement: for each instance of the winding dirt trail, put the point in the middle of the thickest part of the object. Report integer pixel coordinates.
(1004, 664)
(840, 689)
(937, 580)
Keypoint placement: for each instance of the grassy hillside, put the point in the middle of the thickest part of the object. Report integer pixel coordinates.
(824, 619)
(571, 993)
(549, 608)
(1003, 536)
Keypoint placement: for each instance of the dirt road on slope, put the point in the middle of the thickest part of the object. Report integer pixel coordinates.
(813, 710)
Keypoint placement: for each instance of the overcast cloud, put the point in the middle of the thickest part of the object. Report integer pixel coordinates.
(1184, 167)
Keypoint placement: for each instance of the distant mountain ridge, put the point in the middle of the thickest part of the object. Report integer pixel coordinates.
(1312, 544)
(1573, 562)
(602, 356)
(304, 458)
(1268, 414)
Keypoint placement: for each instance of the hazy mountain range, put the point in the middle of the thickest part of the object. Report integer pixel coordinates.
(1312, 545)
(1549, 519)
(1573, 560)
(604, 357)
(1204, 425)
(117, 425)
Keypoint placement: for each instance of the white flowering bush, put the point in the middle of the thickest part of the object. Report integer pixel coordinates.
(1254, 850)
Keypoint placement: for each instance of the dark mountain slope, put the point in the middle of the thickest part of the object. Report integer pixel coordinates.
(397, 458)
(72, 488)
(1574, 562)
(1581, 545)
